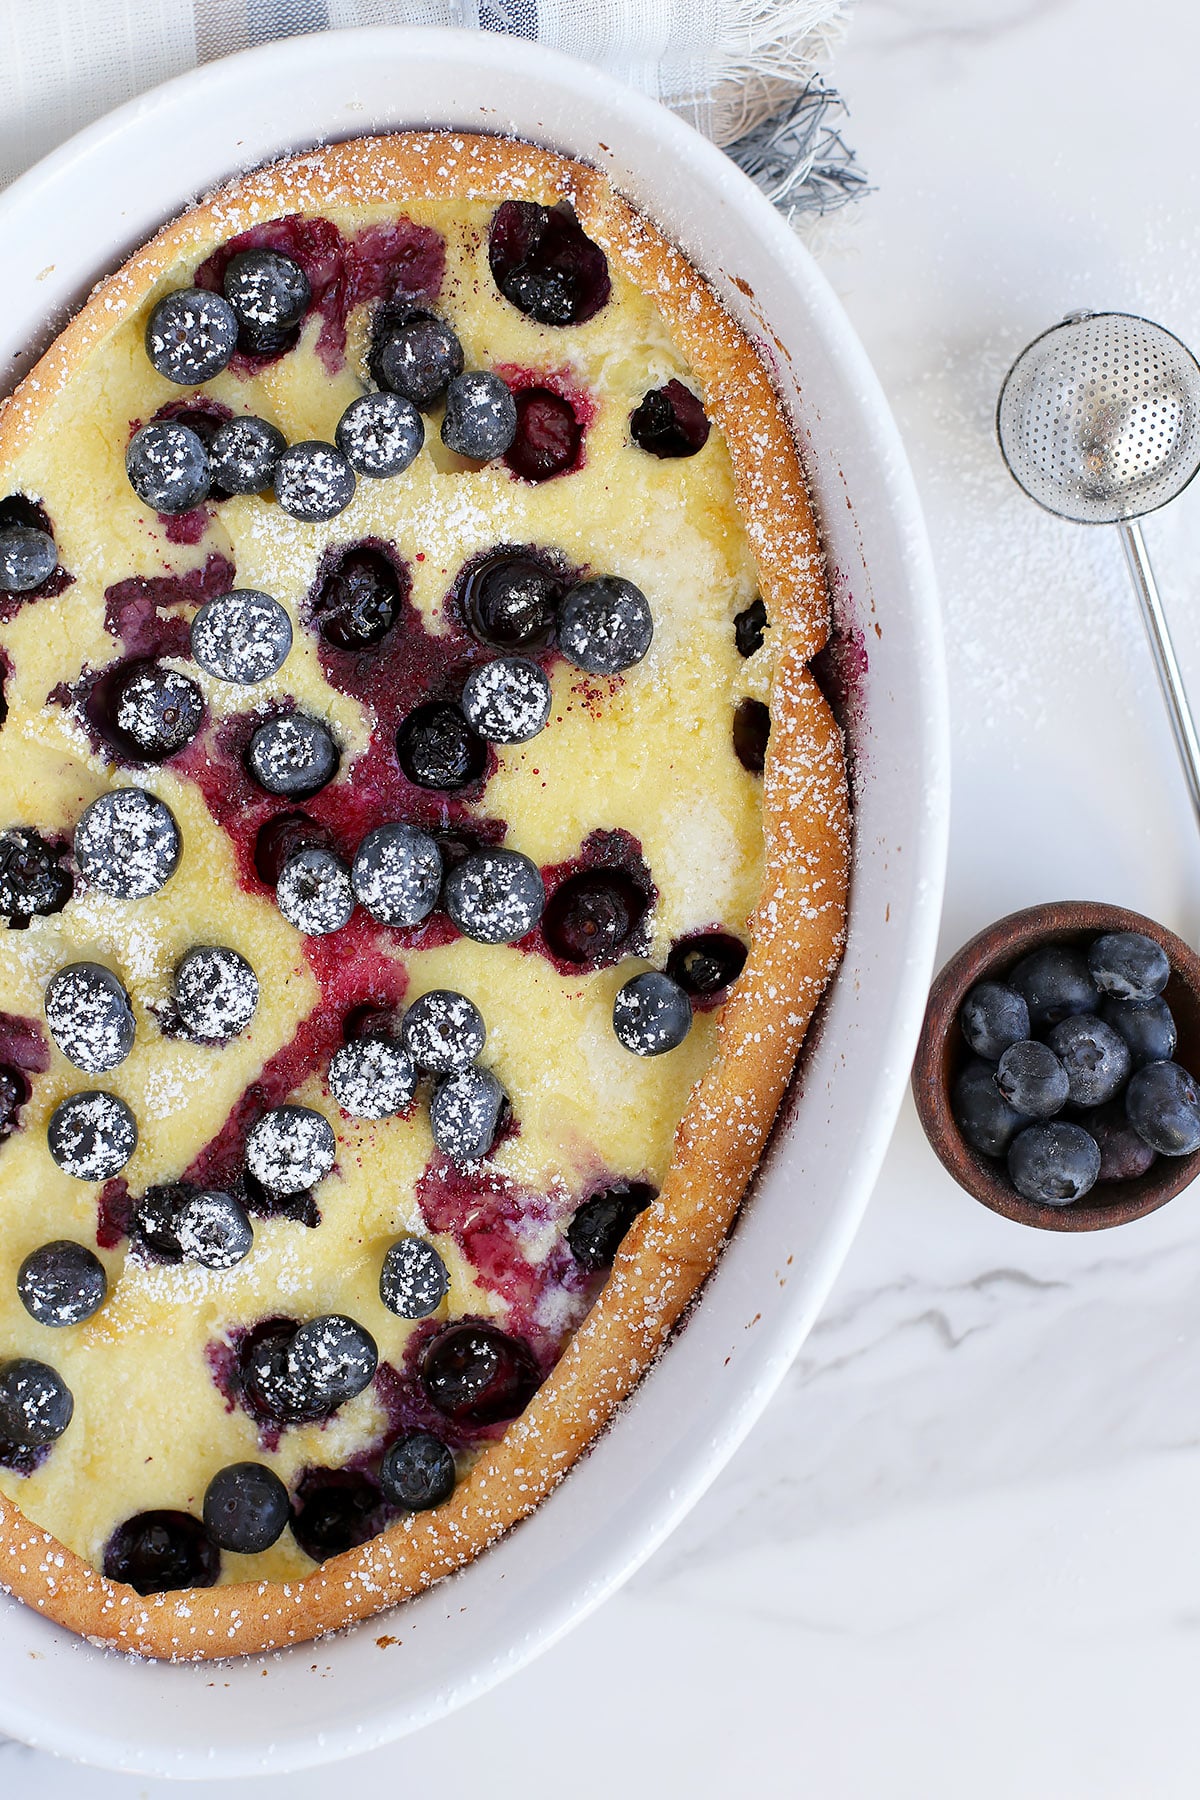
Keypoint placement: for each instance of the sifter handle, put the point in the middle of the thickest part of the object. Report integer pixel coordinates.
(1170, 680)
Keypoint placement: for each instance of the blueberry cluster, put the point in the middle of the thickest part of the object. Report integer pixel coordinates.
(1071, 1078)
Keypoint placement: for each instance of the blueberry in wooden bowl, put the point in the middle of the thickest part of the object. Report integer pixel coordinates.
(1084, 981)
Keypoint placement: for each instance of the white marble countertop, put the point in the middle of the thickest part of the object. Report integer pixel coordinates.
(954, 1554)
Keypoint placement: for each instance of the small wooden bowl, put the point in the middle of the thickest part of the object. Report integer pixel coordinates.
(942, 1052)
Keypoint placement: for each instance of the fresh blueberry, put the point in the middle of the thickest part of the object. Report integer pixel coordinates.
(246, 1507)
(290, 1148)
(31, 882)
(751, 731)
(216, 992)
(1162, 1103)
(335, 1510)
(156, 711)
(61, 1283)
(27, 558)
(358, 600)
(592, 915)
(465, 1113)
(545, 265)
(1124, 1156)
(595, 1233)
(293, 755)
(242, 636)
(283, 837)
(749, 627)
(670, 421)
(495, 896)
(1054, 1163)
(479, 1375)
(380, 434)
(1032, 1079)
(417, 358)
(1129, 965)
(651, 1014)
(270, 295)
(443, 1031)
(331, 1359)
(1146, 1025)
(313, 481)
(35, 1403)
(92, 1135)
(417, 1471)
(397, 874)
(167, 466)
(372, 1078)
(437, 748)
(414, 1280)
(1096, 1058)
(605, 625)
(15, 1089)
(90, 1018)
(707, 963)
(1054, 983)
(243, 455)
(507, 701)
(213, 1229)
(191, 335)
(548, 437)
(982, 1114)
(992, 1018)
(127, 844)
(313, 892)
(158, 1552)
(481, 416)
(509, 602)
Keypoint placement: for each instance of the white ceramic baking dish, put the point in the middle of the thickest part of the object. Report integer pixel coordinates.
(75, 217)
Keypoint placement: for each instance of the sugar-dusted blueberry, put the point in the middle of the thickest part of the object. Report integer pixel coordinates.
(36, 1405)
(1124, 1156)
(15, 1089)
(670, 421)
(1162, 1103)
(167, 466)
(313, 481)
(156, 711)
(1148, 1027)
(242, 636)
(191, 335)
(414, 1280)
(437, 748)
(591, 917)
(479, 1375)
(212, 1228)
(706, 963)
(993, 1017)
(507, 701)
(160, 1551)
(651, 1014)
(372, 1078)
(548, 437)
(510, 601)
(332, 1359)
(545, 264)
(335, 1510)
(751, 732)
(61, 1283)
(481, 416)
(443, 1031)
(27, 558)
(495, 896)
(290, 1148)
(605, 625)
(1054, 983)
(417, 1471)
(749, 627)
(982, 1114)
(358, 599)
(397, 874)
(246, 1508)
(127, 844)
(1053, 1162)
(283, 837)
(92, 1135)
(244, 453)
(265, 1375)
(32, 884)
(268, 292)
(595, 1233)
(293, 755)
(89, 1015)
(1095, 1057)
(416, 357)
(380, 434)
(1129, 965)
(314, 893)
(465, 1113)
(216, 991)
(1032, 1079)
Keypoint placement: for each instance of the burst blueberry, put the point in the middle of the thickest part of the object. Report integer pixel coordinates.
(592, 916)
(481, 416)
(651, 1014)
(61, 1283)
(982, 1114)
(751, 732)
(1053, 1162)
(510, 601)
(293, 755)
(372, 1078)
(15, 1090)
(156, 711)
(90, 1018)
(397, 874)
(595, 1233)
(670, 421)
(992, 1018)
(32, 884)
(417, 1471)
(707, 963)
(414, 1280)
(246, 1508)
(1032, 1079)
(465, 1113)
(478, 1375)
(443, 1031)
(335, 1510)
(36, 1405)
(290, 1148)
(92, 1135)
(161, 1551)
(380, 434)
(167, 466)
(191, 335)
(314, 893)
(549, 437)
(749, 627)
(1129, 965)
(416, 357)
(1095, 1057)
(544, 263)
(507, 701)
(281, 838)
(127, 844)
(313, 481)
(437, 748)
(495, 896)
(27, 558)
(243, 455)
(1162, 1103)
(358, 599)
